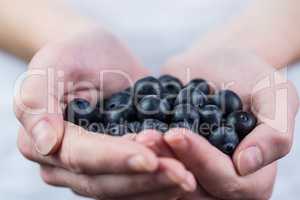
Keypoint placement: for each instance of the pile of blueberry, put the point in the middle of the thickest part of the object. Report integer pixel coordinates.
(165, 103)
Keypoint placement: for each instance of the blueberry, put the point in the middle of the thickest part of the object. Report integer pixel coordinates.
(171, 100)
(166, 110)
(152, 107)
(96, 128)
(211, 117)
(184, 97)
(170, 84)
(228, 101)
(199, 99)
(147, 86)
(186, 125)
(211, 99)
(199, 84)
(155, 125)
(81, 112)
(117, 100)
(115, 129)
(134, 127)
(118, 108)
(193, 97)
(243, 122)
(187, 113)
(225, 139)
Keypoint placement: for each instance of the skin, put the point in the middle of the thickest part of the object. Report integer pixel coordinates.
(82, 58)
(230, 62)
(81, 50)
(251, 172)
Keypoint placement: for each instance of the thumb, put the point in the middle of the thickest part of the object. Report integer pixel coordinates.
(39, 111)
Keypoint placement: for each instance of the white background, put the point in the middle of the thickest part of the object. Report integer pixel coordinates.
(154, 30)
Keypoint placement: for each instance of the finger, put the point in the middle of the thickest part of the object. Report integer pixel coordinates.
(185, 143)
(177, 172)
(165, 194)
(260, 148)
(82, 152)
(107, 186)
(214, 170)
(198, 194)
(154, 140)
(131, 137)
(38, 110)
(273, 138)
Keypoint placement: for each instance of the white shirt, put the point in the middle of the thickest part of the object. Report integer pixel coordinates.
(154, 30)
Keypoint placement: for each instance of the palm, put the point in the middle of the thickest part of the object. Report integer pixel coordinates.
(85, 65)
(86, 62)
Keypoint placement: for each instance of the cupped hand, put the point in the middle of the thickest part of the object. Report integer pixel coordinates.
(86, 64)
(251, 173)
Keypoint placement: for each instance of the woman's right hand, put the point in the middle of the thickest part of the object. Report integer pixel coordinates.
(89, 62)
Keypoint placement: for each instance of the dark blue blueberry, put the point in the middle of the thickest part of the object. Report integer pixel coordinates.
(134, 127)
(96, 128)
(187, 113)
(81, 112)
(152, 107)
(211, 118)
(155, 125)
(171, 100)
(243, 122)
(199, 99)
(186, 125)
(170, 84)
(147, 86)
(199, 84)
(225, 139)
(115, 129)
(193, 97)
(119, 108)
(228, 101)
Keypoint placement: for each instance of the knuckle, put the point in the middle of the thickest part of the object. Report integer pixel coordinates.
(47, 177)
(90, 187)
(87, 187)
(18, 112)
(24, 102)
(71, 161)
(24, 149)
(69, 156)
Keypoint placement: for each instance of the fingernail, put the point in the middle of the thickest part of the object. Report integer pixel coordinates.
(176, 139)
(44, 137)
(190, 183)
(250, 160)
(140, 163)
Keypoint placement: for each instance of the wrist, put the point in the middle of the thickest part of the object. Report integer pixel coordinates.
(268, 29)
(58, 29)
(29, 25)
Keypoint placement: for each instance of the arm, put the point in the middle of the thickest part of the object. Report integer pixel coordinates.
(28, 25)
(75, 53)
(269, 28)
(241, 56)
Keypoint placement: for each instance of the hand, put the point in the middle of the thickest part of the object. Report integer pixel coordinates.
(86, 64)
(251, 173)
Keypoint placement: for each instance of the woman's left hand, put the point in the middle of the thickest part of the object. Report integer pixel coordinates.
(251, 172)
